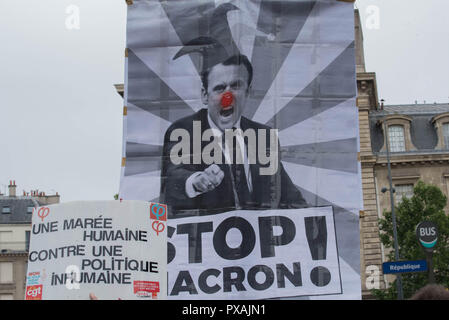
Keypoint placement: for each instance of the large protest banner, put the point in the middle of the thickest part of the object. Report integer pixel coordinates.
(113, 249)
(245, 110)
(271, 254)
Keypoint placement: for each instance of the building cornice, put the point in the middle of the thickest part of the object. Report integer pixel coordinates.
(391, 117)
(14, 254)
(368, 160)
(413, 159)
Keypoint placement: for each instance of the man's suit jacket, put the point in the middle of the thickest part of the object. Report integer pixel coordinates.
(269, 191)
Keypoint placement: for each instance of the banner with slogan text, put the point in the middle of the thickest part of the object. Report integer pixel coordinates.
(241, 255)
(113, 249)
(246, 110)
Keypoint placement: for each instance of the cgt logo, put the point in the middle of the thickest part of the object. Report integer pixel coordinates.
(158, 211)
(33, 292)
(146, 289)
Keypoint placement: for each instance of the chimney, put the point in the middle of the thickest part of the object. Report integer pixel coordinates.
(12, 188)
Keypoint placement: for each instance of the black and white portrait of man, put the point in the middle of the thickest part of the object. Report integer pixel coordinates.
(245, 171)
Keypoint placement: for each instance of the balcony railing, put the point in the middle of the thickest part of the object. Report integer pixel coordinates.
(11, 246)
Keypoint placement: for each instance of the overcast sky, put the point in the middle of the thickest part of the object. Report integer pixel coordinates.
(61, 119)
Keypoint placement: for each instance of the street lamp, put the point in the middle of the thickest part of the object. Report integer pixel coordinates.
(383, 190)
(393, 216)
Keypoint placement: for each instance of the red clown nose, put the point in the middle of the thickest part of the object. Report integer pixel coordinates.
(227, 99)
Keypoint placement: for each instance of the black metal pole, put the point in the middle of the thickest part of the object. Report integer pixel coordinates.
(431, 274)
(393, 216)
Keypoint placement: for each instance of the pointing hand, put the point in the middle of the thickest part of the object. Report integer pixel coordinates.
(209, 179)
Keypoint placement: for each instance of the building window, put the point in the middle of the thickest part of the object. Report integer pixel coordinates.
(446, 135)
(27, 240)
(30, 209)
(6, 209)
(6, 272)
(5, 240)
(396, 138)
(403, 191)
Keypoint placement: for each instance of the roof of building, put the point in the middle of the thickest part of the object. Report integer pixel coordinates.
(412, 109)
(18, 207)
(423, 133)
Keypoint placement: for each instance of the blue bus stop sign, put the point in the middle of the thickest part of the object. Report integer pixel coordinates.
(404, 266)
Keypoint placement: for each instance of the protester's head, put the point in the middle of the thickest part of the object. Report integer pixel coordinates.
(431, 292)
(233, 77)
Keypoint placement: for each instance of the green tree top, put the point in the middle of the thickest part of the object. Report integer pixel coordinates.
(426, 204)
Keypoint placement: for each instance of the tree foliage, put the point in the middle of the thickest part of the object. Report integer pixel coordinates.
(426, 204)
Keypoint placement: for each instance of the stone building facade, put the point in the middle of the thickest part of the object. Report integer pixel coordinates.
(15, 230)
(419, 150)
(367, 101)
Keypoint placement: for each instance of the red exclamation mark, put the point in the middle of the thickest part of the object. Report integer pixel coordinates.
(316, 233)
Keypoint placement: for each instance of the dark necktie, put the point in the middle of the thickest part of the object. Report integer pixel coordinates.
(238, 172)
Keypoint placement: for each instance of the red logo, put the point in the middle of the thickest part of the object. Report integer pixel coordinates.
(158, 227)
(43, 213)
(146, 288)
(158, 211)
(33, 292)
